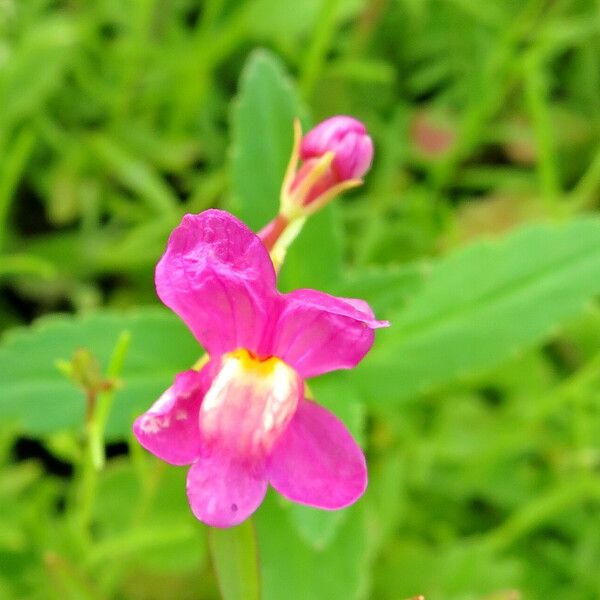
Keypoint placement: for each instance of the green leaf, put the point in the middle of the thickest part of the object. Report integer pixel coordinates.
(484, 303)
(35, 69)
(36, 395)
(234, 555)
(315, 258)
(263, 116)
(305, 573)
(135, 174)
(337, 392)
(384, 288)
(147, 522)
(11, 172)
(19, 264)
(270, 18)
(316, 527)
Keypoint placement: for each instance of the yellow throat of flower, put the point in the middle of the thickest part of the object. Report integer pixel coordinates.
(250, 402)
(253, 365)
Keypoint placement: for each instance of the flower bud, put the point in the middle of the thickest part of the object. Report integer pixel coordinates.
(335, 155)
(348, 140)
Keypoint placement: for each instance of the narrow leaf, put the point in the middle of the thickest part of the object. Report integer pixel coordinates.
(483, 304)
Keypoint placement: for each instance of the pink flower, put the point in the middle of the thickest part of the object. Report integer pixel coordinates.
(335, 154)
(243, 421)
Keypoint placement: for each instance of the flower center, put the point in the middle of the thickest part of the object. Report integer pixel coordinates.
(250, 403)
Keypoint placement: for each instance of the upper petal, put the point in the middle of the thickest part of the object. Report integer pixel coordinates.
(353, 157)
(318, 333)
(218, 277)
(328, 134)
(317, 462)
(169, 429)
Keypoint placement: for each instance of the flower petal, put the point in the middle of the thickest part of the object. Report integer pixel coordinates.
(249, 404)
(317, 462)
(353, 158)
(347, 138)
(318, 333)
(224, 491)
(170, 428)
(218, 277)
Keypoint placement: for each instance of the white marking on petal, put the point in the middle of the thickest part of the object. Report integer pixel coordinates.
(154, 423)
(162, 404)
(249, 403)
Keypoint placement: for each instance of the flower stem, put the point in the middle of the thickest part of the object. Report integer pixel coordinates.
(271, 232)
(234, 557)
(278, 236)
(105, 401)
(93, 458)
(285, 240)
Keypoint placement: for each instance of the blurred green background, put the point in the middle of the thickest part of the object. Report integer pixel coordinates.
(475, 234)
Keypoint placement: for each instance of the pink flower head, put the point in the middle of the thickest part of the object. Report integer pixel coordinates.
(335, 154)
(242, 421)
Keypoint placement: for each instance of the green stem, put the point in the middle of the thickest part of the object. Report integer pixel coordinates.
(234, 555)
(536, 95)
(105, 401)
(499, 76)
(68, 579)
(94, 452)
(315, 56)
(581, 488)
(280, 248)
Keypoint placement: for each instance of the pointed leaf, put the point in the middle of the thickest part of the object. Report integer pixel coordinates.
(484, 303)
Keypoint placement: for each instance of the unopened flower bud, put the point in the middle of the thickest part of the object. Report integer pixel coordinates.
(347, 138)
(335, 155)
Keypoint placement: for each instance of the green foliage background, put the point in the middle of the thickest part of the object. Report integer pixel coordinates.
(475, 234)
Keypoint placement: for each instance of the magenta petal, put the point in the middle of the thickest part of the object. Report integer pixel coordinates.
(317, 462)
(329, 135)
(353, 158)
(347, 138)
(217, 276)
(170, 428)
(244, 413)
(318, 333)
(224, 491)
(249, 405)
